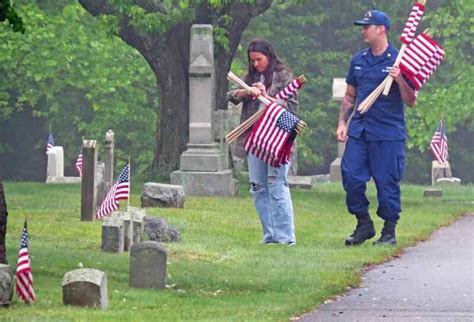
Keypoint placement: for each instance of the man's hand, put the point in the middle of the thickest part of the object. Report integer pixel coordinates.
(396, 74)
(341, 132)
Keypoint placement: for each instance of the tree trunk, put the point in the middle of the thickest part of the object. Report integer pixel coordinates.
(3, 223)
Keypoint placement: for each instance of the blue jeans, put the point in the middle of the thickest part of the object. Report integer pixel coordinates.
(270, 191)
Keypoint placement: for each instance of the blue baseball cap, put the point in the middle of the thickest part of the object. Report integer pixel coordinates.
(374, 17)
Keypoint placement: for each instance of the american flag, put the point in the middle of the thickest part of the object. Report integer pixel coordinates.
(289, 89)
(24, 277)
(273, 135)
(439, 144)
(421, 58)
(120, 190)
(50, 144)
(79, 164)
(412, 23)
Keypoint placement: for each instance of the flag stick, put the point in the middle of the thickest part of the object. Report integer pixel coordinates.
(130, 233)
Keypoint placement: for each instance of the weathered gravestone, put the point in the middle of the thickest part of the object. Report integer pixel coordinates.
(88, 188)
(448, 181)
(85, 287)
(157, 229)
(105, 170)
(148, 262)
(204, 167)
(338, 92)
(433, 193)
(55, 168)
(440, 170)
(109, 159)
(112, 235)
(162, 195)
(55, 162)
(99, 183)
(6, 285)
(138, 216)
(301, 182)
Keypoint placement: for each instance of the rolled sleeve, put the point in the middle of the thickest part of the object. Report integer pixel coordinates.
(232, 95)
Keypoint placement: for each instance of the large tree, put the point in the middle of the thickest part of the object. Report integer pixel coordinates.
(8, 13)
(160, 31)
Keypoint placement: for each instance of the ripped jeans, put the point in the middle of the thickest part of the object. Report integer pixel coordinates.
(271, 194)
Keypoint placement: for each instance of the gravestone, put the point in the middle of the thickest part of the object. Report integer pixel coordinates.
(162, 195)
(55, 169)
(99, 183)
(109, 159)
(88, 188)
(338, 91)
(440, 170)
(55, 162)
(138, 216)
(204, 166)
(301, 182)
(105, 170)
(441, 174)
(448, 181)
(157, 229)
(433, 193)
(85, 287)
(112, 235)
(231, 119)
(148, 265)
(6, 285)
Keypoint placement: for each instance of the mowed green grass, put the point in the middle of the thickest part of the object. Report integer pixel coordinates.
(218, 271)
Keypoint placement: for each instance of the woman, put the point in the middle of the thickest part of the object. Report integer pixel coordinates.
(268, 185)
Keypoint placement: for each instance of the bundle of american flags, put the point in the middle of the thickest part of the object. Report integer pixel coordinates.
(272, 137)
(418, 57)
(24, 277)
(287, 92)
(421, 58)
(439, 144)
(421, 55)
(120, 190)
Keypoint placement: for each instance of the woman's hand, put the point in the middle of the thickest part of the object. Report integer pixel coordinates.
(261, 87)
(254, 92)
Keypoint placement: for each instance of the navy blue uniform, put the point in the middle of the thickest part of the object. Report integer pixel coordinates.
(375, 147)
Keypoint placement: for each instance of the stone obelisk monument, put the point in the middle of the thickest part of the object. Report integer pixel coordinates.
(204, 167)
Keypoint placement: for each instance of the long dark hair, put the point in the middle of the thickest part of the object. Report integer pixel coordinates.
(275, 64)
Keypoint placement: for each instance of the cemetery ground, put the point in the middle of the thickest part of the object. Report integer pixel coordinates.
(218, 271)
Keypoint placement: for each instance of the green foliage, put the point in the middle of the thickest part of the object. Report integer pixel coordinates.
(218, 271)
(8, 13)
(71, 74)
(449, 92)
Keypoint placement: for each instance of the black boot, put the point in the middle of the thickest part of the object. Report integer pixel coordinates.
(364, 230)
(388, 234)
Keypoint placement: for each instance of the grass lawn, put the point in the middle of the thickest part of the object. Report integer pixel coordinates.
(218, 271)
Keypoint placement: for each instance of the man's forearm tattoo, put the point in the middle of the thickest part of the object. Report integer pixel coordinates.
(347, 107)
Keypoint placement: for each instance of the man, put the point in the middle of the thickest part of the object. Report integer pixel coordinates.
(375, 140)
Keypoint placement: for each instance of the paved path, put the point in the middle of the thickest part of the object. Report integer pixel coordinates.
(432, 281)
